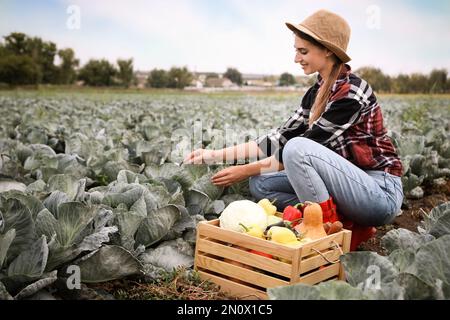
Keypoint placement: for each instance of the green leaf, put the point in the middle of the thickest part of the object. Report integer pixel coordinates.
(404, 239)
(72, 218)
(185, 222)
(412, 145)
(294, 292)
(360, 266)
(78, 228)
(17, 216)
(37, 186)
(126, 176)
(108, 263)
(339, 290)
(30, 264)
(42, 283)
(437, 222)
(5, 242)
(167, 171)
(7, 185)
(329, 290)
(127, 194)
(167, 257)
(205, 186)
(31, 202)
(23, 152)
(402, 259)
(4, 294)
(95, 240)
(53, 201)
(65, 183)
(432, 261)
(414, 288)
(229, 198)
(196, 202)
(157, 225)
(128, 222)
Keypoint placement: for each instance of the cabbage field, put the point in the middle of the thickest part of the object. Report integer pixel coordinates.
(92, 187)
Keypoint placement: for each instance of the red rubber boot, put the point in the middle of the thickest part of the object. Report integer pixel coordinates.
(359, 233)
(329, 211)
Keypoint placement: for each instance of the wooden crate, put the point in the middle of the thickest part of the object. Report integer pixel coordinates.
(222, 257)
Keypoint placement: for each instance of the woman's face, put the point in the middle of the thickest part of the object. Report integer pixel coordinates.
(311, 58)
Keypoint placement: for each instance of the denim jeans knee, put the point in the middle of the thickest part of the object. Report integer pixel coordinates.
(256, 188)
(295, 145)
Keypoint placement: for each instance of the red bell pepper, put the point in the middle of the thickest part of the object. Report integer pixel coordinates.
(293, 214)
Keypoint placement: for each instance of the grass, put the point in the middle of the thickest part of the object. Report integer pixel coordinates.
(112, 94)
(180, 284)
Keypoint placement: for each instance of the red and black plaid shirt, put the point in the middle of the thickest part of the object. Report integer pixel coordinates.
(351, 125)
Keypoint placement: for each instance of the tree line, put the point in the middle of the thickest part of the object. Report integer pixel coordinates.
(434, 82)
(28, 60)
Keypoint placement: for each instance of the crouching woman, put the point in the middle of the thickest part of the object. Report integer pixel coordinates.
(333, 150)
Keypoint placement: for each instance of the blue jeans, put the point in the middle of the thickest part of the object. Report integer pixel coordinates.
(314, 173)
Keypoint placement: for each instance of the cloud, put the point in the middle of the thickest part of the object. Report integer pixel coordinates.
(249, 35)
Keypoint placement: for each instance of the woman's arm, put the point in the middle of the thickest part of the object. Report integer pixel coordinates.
(267, 165)
(244, 151)
(235, 174)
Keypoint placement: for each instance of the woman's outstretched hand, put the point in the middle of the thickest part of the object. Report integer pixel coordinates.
(200, 156)
(229, 176)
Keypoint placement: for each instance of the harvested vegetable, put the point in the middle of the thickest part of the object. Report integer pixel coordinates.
(293, 214)
(268, 206)
(254, 230)
(312, 225)
(243, 211)
(281, 235)
(335, 227)
(273, 220)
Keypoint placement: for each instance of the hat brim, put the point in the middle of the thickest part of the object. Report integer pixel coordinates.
(341, 54)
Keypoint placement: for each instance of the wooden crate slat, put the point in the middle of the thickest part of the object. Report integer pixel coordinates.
(317, 260)
(322, 244)
(345, 248)
(321, 275)
(246, 241)
(214, 222)
(237, 272)
(307, 266)
(235, 289)
(251, 259)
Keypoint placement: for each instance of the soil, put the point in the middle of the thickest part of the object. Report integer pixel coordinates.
(412, 214)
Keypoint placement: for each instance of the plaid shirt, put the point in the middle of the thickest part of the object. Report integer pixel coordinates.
(351, 125)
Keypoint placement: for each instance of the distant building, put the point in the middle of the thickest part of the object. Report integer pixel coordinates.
(219, 83)
(259, 80)
(259, 83)
(196, 84)
(141, 78)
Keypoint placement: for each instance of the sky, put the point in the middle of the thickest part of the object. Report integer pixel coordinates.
(401, 36)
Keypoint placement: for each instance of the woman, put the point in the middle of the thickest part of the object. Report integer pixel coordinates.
(333, 150)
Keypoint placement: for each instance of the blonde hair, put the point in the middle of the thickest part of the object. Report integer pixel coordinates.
(324, 93)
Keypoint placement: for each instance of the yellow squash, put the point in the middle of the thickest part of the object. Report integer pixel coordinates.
(268, 206)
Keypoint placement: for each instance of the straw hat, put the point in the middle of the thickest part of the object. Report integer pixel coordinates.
(329, 29)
